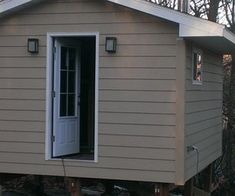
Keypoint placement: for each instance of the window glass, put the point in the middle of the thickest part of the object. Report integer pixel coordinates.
(71, 104)
(72, 58)
(68, 82)
(63, 100)
(63, 62)
(197, 67)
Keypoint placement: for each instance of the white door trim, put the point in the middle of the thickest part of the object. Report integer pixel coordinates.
(49, 85)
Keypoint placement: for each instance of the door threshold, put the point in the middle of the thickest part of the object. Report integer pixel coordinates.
(78, 156)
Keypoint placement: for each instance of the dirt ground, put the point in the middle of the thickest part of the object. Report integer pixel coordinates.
(31, 185)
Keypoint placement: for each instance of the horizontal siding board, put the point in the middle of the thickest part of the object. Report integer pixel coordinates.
(71, 7)
(203, 155)
(115, 163)
(138, 62)
(132, 118)
(210, 64)
(201, 135)
(142, 164)
(135, 141)
(202, 105)
(203, 96)
(144, 85)
(137, 96)
(207, 86)
(140, 73)
(107, 28)
(22, 147)
(137, 130)
(207, 76)
(17, 136)
(151, 176)
(79, 18)
(143, 50)
(23, 62)
(137, 153)
(199, 116)
(144, 39)
(23, 105)
(122, 50)
(19, 51)
(123, 39)
(204, 148)
(210, 158)
(19, 41)
(23, 73)
(204, 124)
(136, 107)
(16, 125)
(22, 83)
(22, 115)
(210, 58)
(22, 94)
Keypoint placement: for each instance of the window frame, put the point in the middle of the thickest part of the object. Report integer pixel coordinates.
(197, 51)
(49, 92)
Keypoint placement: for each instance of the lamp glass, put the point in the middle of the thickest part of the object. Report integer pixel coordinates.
(111, 43)
(33, 45)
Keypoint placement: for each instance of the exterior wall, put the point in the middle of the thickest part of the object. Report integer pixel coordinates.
(203, 112)
(137, 92)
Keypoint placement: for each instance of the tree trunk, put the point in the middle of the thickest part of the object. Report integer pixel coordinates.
(213, 10)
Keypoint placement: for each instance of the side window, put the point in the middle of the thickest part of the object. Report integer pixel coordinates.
(197, 66)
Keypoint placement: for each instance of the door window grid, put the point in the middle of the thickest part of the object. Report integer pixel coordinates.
(68, 82)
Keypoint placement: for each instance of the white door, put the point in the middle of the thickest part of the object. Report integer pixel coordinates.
(66, 115)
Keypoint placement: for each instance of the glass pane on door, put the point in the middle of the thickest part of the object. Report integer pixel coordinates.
(68, 82)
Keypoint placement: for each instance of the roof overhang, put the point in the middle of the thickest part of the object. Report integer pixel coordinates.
(9, 6)
(209, 34)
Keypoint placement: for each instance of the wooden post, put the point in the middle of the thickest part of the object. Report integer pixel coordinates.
(208, 178)
(161, 189)
(188, 188)
(74, 187)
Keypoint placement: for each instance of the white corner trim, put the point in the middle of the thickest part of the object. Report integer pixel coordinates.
(189, 25)
(10, 4)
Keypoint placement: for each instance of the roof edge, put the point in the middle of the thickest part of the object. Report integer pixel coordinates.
(193, 24)
(6, 6)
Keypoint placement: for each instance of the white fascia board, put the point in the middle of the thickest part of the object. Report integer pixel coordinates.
(189, 25)
(229, 35)
(11, 4)
(191, 31)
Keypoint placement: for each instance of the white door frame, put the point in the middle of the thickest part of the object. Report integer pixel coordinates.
(49, 90)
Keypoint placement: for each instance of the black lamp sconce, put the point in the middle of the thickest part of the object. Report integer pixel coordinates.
(111, 44)
(33, 46)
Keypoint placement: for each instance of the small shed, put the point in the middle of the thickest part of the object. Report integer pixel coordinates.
(109, 89)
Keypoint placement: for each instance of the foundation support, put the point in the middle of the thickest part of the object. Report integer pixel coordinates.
(208, 178)
(161, 189)
(74, 187)
(188, 188)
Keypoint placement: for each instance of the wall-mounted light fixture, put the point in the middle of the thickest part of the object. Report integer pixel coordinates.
(33, 46)
(111, 44)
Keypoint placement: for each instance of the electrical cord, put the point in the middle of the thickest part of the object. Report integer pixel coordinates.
(197, 151)
(64, 172)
